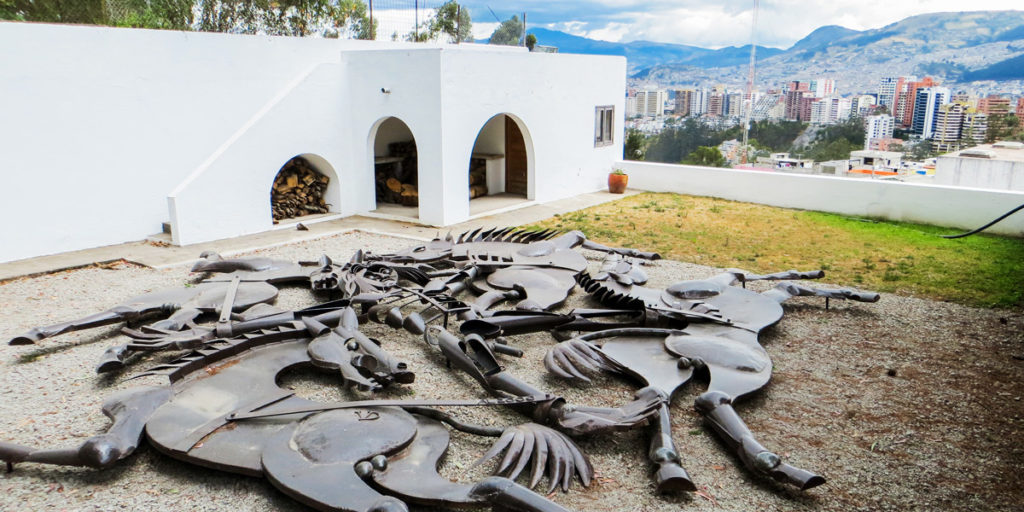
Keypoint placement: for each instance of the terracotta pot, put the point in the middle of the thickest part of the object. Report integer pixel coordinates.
(617, 183)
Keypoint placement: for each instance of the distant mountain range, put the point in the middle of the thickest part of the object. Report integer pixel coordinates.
(953, 47)
(645, 54)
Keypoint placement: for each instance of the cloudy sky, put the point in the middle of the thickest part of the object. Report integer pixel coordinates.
(711, 23)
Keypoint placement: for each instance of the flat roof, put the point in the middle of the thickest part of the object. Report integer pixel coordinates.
(1011, 151)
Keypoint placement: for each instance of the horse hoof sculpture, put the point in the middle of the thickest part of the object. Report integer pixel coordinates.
(223, 407)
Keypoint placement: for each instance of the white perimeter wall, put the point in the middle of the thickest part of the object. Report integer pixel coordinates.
(927, 204)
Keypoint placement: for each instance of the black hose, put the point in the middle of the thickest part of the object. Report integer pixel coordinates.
(986, 226)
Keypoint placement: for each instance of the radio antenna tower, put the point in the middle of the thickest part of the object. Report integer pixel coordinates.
(749, 100)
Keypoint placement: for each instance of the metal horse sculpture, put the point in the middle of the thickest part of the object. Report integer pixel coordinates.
(223, 408)
(720, 338)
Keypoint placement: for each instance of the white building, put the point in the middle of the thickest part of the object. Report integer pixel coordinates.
(877, 128)
(926, 109)
(651, 103)
(830, 110)
(823, 87)
(699, 102)
(863, 104)
(997, 166)
(888, 87)
(108, 133)
(631, 110)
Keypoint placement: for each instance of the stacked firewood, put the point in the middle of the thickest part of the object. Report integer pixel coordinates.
(298, 190)
(394, 191)
(477, 177)
(396, 182)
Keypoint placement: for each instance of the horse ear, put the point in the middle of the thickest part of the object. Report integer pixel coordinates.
(211, 255)
(358, 257)
(325, 260)
(449, 237)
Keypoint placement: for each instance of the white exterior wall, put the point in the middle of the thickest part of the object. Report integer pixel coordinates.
(980, 173)
(100, 124)
(109, 132)
(964, 208)
(554, 110)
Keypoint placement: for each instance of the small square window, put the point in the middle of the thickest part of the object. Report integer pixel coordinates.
(604, 120)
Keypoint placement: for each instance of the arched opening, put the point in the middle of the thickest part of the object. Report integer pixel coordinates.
(395, 169)
(499, 166)
(305, 187)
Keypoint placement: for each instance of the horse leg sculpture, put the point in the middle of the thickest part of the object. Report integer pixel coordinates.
(638, 353)
(129, 410)
(716, 407)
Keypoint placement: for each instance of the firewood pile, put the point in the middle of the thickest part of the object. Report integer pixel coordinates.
(298, 190)
(396, 181)
(477, 177)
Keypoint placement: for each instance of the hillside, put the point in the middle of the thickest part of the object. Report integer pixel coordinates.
(645, 54)
(951, 46)
(1009, 69)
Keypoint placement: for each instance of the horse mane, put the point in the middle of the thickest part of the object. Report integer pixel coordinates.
(221, 349)
(509, 234)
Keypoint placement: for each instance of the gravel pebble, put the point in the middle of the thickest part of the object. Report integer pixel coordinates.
(905, 404)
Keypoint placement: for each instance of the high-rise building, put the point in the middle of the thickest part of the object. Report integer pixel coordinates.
(806, 105)
(974, 128)
(822, 87)
(862, 105)
(716, 104)
(651, 103)
(684, 100)
(829, 110)
(887, 88)
(994, 105)
(631, 106)
(949, 122)
(845, 109)
(876, 129)
(1020, 110)
(798, 105)
(733, 105)
(965, 98)
(717, 101)
(926, 104)
(958, 125)
(907, 100)
(768, 107)
(699, 102)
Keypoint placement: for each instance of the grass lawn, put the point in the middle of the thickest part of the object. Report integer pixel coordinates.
(894, 257)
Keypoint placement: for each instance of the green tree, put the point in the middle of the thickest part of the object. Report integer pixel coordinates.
(707, 156)
(1002, 127)
(830, 149)
(671, 145)
(508, 32)
(92, 12)
(275, 17)
(634, 146)
(918, 150)
(531, 41)
(451, 21)
(350, 17)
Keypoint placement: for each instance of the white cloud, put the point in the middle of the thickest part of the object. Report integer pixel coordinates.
(727, 23)
(484, 30)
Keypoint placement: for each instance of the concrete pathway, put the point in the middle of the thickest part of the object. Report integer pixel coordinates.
(156, 254)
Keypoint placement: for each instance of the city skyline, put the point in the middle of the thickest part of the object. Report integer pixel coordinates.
(711, 25)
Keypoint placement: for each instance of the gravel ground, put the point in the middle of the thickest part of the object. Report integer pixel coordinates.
(905, 404)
